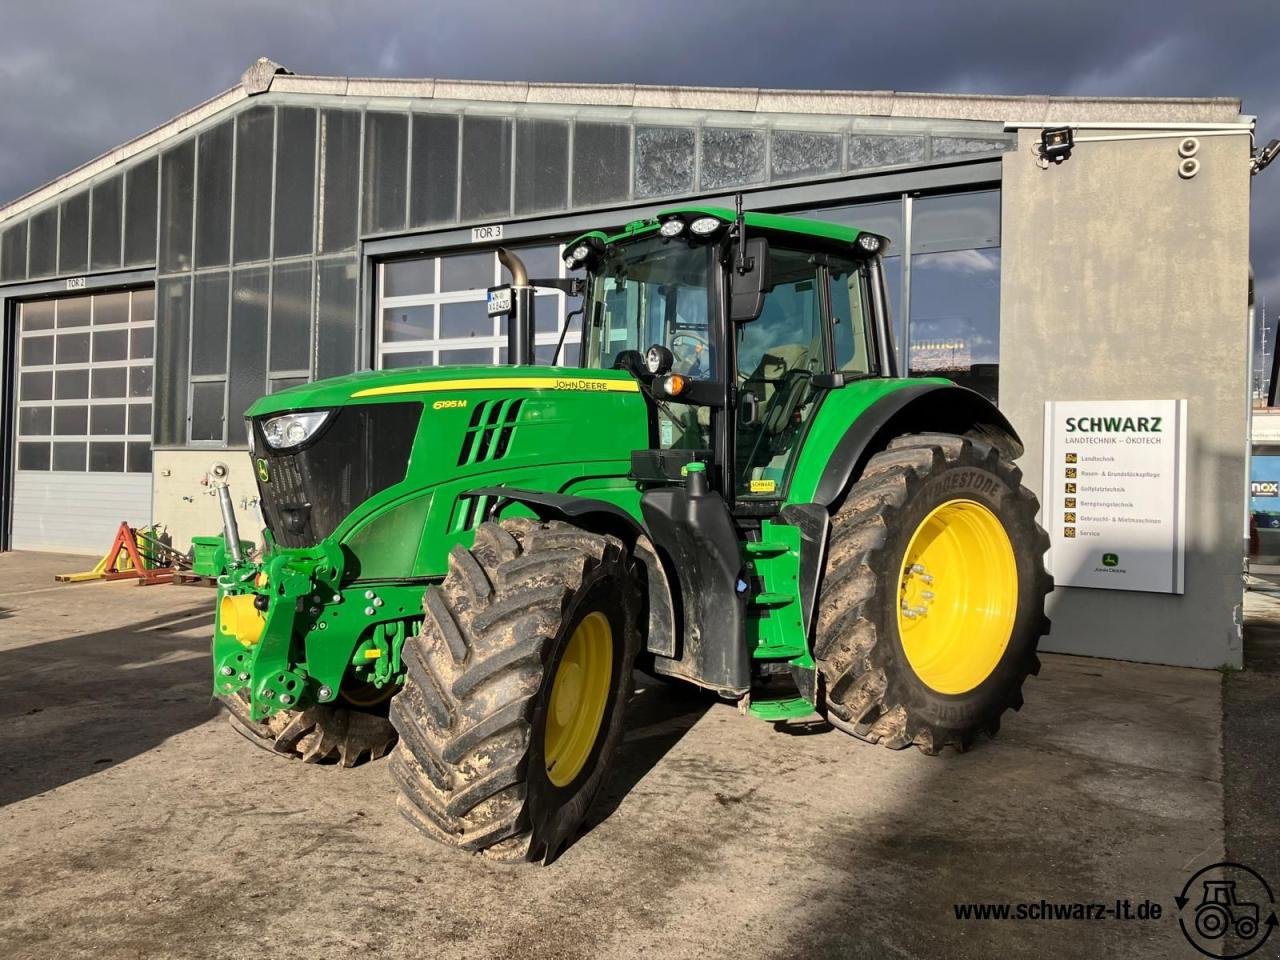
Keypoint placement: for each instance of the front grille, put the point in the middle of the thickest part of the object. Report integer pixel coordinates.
(360, 451)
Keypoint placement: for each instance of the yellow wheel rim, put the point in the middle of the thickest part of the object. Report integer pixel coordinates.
(958, 596)
(578, 696)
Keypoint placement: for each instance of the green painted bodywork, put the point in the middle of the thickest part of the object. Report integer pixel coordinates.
(337, 614)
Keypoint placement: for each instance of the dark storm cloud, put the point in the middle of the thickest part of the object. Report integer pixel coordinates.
(78, 77)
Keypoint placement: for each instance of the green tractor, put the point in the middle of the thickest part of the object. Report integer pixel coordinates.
(733, 488)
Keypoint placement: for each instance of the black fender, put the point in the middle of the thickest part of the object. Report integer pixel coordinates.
(600, 516)
(921, 408)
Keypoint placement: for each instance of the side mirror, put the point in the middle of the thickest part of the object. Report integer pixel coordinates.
(747, 290)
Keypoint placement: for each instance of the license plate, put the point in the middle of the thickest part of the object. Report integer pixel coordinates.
(499, 301)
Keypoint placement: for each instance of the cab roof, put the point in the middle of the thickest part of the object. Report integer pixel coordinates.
(834, 233)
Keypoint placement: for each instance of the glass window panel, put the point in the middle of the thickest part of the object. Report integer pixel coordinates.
(36, 386)
(111, 307)
(213, 195)
(395, 361)
(209, 324)
(804, 153)
(140, 419)
(956, 221)
(173, 332)
(665, 159)
(37, 351)
(386, 155)
(34, 421)
(140, 214)
(295, 182)
(486, 167)
(74, 311)
(71, 385)
(107, 418)
(105, 202)
(143, 306)
(37, 315)
(470, 319)
(110, 345)
(13, 252)
(339, 178)
(543, 352)
(467, 271)
(601, 162)
(541, 262)
(138, 457)
(73, 234)
(409, 323)
(955, 318)
(140, 381)
(70, 421)
(106, 456)
(291, 317)
(871, 150)
(33, 456)
(450, 357)
(108, 382)
(434, 175)
(206, 411)
(73, 348)
(255, 135)
(247, 379)
(542, 165)
(731, 157)
(284, 383)
(177, 196)
(546, 314)
(140, 343)
(43, 260)
(408, 278)
(337, 289)
(69, 456)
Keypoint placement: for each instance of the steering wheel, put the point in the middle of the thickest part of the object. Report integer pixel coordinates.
(691, 352)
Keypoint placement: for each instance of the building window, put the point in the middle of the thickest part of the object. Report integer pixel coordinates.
(84, 383)
(432, 310)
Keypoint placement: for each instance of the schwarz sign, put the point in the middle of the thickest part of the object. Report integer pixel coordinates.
(1115, 497)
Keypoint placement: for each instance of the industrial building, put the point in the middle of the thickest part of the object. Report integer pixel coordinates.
(298, 227)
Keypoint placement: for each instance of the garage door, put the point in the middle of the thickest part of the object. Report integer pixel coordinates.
(432, 310)
(83, 419)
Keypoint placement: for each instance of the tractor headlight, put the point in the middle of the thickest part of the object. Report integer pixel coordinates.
(293, 428)
(671, 228)
(869, 242)
(705, 225)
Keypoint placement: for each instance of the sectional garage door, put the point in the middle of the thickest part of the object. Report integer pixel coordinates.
(82, 419)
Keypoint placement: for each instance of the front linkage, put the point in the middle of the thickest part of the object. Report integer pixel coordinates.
(288, 635)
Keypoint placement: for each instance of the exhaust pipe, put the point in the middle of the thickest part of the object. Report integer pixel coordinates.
(520, 320)
(230, 529)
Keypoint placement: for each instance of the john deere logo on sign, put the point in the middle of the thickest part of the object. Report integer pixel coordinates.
(263, 474)
(1110, 559)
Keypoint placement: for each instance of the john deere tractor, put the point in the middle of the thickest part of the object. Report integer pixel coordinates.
(733, 488)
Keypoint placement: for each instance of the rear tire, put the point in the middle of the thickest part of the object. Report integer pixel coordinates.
(476, 765)
(877, 686)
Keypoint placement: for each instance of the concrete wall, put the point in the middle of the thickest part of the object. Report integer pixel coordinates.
(190, 508)
(1122, 281)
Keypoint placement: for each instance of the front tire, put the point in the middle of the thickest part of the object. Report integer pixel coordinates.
(515, 689)
(932, 604)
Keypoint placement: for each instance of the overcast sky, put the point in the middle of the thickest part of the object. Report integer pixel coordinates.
(80, 76)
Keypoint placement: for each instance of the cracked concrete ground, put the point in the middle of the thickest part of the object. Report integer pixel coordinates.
(135, 823)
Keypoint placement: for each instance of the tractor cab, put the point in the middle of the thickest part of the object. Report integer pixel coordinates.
(734, 325)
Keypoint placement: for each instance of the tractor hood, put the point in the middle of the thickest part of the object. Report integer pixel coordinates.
(381, 386)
